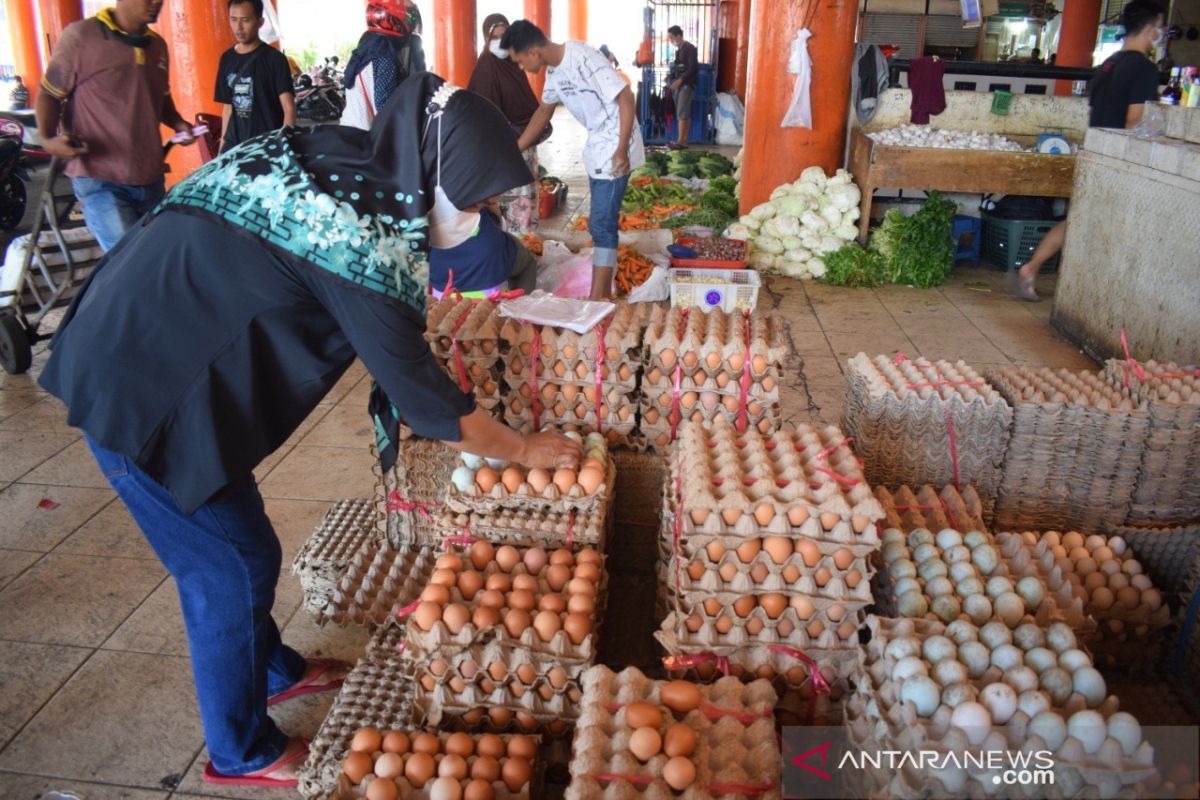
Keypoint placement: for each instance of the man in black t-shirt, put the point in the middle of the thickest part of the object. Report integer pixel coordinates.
(254, 80)
(686, 73)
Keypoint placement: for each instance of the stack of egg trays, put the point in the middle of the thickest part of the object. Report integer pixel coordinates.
(566, 375)
(1171, 557)
(475, 325)
(379, 579)
(730, 750)
(899, 415)
(878, 720)
(710, 351)
(551, 499)
(1075, 452)
(346, 530)
(420, 475)
(378, 692)
(525, 527)
(1118, 636)
(931, 508)
(1167, 492)
(804, 475)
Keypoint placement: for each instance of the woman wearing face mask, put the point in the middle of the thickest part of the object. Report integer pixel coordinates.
(501, 80)
(202, 341)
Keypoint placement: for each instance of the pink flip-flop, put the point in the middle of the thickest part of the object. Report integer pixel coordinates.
(312, 684)
(258, 778)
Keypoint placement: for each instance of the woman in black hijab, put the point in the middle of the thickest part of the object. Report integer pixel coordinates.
(219, 322)
(501, 80)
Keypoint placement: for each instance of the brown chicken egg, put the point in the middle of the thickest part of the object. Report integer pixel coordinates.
(436, 593)
(498, 582)
(516, 622)
(731, 515)
(538, 480)
(698, 515)
(744, 605)
(645, 743)
(588, 572)
(512, 478)
(491, 598)
(727, 571)
(581, 586)
(748, 549)
(419, 769)
(426, 743)
(577, 627)
(479, 789)
(521, 600)
(808, 551)
(382, 789)
(500, 717)
(507, 557)
(803, 606)
(694, 623)
(367, 740)
(790, 574)
(427, 615)
(563, 557)
(829, 520)
(396, 742)
(357, 765)
(482, 552)
(641, 714)
(843, 558)
(524, 583)
(773, 604)
(557, 576)
(715, 551)
(486, 479)
(797, 516)
(754, 627)
(778, 548)
(515, 772)
(456, 616)
(764, 514)
(712, 606)
(554, 603)
(490, 744)
(485, 768)
(590, 479)
(484, 618)
(557, 676)
(564, 479)
(584, 604)
(724, 624)
(679, 773)
(680, 696)
(546, 624)
(679, 741)
(469, 584)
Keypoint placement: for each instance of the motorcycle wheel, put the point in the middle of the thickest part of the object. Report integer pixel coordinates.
(16, 355)
(12, 202)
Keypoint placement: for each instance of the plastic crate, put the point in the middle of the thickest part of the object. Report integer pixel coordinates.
(727, 289)
(704, 263)
(1009, 243)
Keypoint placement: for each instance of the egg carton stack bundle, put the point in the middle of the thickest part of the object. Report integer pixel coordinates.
(641, 738)
(378, 580)
(953, 575)
(1075, 451)
(347, 529)
(409, 495)
(1131, 614)
(708, 367)
(1170, 556)
(767, 540)
(377, 692)
(1167, 492)
(525, 527)
(962, 690)
(535, 611)
(464, 335)
(931, 508)
(915, 422)
(582, 382)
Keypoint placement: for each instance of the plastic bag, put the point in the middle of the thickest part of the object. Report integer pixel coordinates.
(799, 113)
(541, 308)
(564, 273)
(1154, 122)
(731, 119)
(655, 288)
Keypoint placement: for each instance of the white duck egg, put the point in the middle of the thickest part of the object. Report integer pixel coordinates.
(1089, 728)
(574, 436)
(1029, 636)
(1094, 542)
(472, 461)
(923, 693)
(948, 672)
(902, 647)
(968, 587)
(963, 571)
(946, 608)
(1125, 728)
(978, 608)
(1033, 703)
(1040, 659)
(985, 558)
(1000, 700)
(892, 535)
(1032, 591)
(1010, 608)
(1089, 683)
(955, 694)
(1007, 656)
(905, 585)
(893, 552)
(948, 537)
(463, 479)
(1074, 659)
(919, 537)
(1110, 567)
(938, 648)
(932, 569)
(925, 552)
(973, 539)
(1060, 637)
(976, 656)
(903, 568)
(958, 554)
(912, 604)
(1118, 546)
(909, 667)
(994, 634)
(974, 720)
(961, 631)
(939, 586)
(1050, 727)
(1141, 583)
(1022, 679)
(998, 585)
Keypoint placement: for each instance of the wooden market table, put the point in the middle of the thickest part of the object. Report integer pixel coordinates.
(877, 166)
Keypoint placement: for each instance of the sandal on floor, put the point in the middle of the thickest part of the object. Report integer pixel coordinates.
(259, 777)
(676, 146)
(313, 683)
(1025, 289)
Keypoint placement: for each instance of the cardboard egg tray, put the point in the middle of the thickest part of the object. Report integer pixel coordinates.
(616, 417)
(901, 416)
(716, 342)
(502, 719)
(476, 325)
(931, 508)
(379, 579)
(524, 498)
(876, 715)
(378, 692)
(523, 527)
(1166, 493)
(656, 421)
(325, 557)
(786, 672)
(735, 748)
(554, 369)
(420, 475)
(469, 674)
(1059, 602)
(719, 480)
(1075, 452)
(1171, 557)
(567, 357)
(440, 642)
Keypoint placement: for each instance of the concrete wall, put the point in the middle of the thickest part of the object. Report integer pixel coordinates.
(1131, 260)
(1029, 115)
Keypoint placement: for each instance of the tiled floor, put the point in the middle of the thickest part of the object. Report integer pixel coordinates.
(95, 690)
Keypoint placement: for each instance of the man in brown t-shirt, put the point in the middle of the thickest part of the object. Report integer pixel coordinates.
(104, 95)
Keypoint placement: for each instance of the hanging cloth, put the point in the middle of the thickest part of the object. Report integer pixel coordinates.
(869, 80)
(928, 94)
(799, 113)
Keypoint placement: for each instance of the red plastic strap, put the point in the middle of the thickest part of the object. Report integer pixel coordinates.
(403, 645)
(953, 448)
(744, 717)
(609, 778)
(696, 659)
(842, 479)
(951, 517)
(397, 503)
(401, 613)
(814, 671)
(571, 531)
(450, 291)
(741, 788)
(744, 391)
(675, 413)
(535, 360)
(459, 367)
(461, 539)
(678, 526)
(828, 451)
(601, 328)
(511, 294)
(1130, 362)
(899, 359)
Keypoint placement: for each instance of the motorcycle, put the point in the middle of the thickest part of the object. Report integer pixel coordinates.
(17, 158)
(319, 94)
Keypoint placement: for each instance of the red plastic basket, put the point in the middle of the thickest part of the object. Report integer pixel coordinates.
(703, 263)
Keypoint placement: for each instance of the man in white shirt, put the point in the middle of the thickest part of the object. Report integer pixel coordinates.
(583, 80)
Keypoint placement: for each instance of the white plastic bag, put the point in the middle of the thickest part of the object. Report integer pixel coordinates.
(799, 113)
(731, 118)
(560, 312)
(655, 288)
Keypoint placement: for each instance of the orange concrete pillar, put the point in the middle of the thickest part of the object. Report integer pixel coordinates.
(56, 15)
(454, 50)
(1077, 37)
(774, 154)
(577, 20)
(538, 12)
(742, 65)
(22, 31)
(197, 33)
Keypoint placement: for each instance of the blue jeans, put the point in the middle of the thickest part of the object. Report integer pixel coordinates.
(225, 560)
(605, 219)
(110, 209)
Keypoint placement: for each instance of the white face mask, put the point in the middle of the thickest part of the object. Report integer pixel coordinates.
(497, 50)
(448, 226)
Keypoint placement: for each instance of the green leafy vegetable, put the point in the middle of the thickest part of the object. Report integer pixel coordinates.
(917, 250)
(703, 217)
(851, 265)
(724, 183)
(720, 201)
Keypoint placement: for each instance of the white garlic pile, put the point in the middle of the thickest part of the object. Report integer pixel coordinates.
(925, 136)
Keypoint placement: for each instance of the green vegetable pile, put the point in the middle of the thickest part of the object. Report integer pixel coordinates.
(685, 164)
(702, 217)
(655, 193)
(912, 251)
